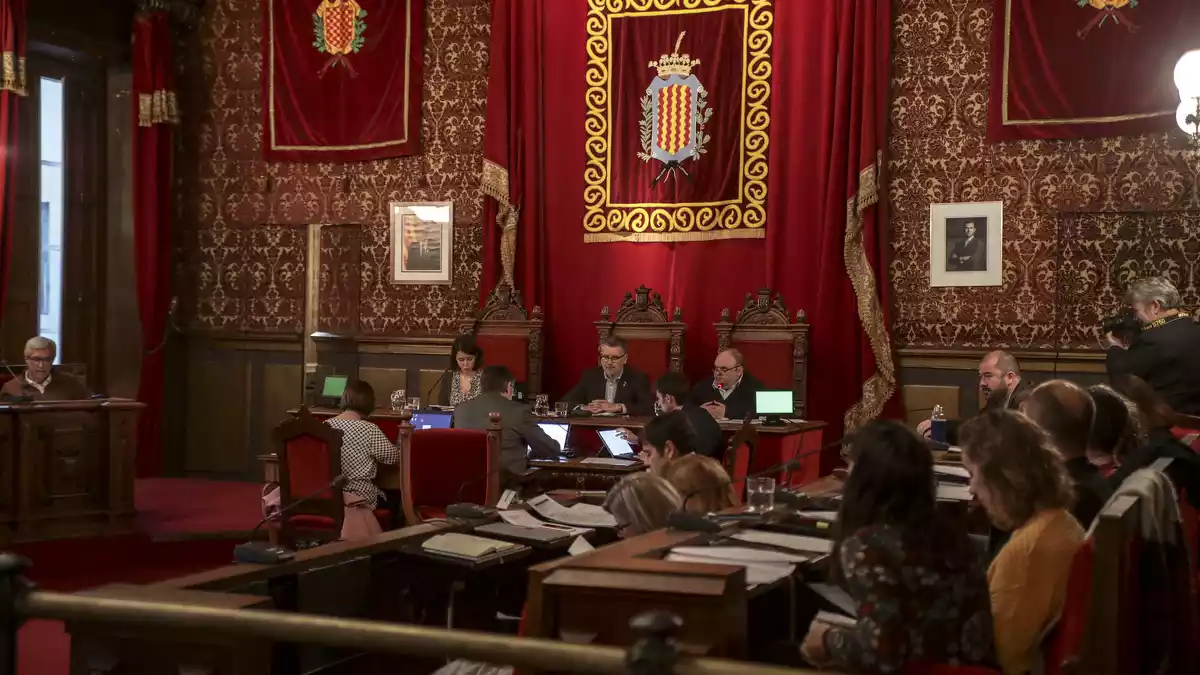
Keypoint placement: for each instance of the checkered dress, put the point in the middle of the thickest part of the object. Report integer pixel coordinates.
(364, 447)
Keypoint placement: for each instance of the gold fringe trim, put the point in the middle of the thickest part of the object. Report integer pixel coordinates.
(880, 386)
(14, 74)
(161, 107)
(649, 237)
(495, 182)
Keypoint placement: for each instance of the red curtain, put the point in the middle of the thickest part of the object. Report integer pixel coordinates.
(156, 111)
(13, 36)
(824, 245)
(1072, 70)
(341, 79)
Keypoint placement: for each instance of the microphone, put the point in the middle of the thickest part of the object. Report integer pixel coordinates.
(435, 385)
(263, 553)
(793, 463)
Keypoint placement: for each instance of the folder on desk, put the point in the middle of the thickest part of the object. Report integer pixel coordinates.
(466, 546)
(540, 535)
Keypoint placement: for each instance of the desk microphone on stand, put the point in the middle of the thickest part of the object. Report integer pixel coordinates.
(263, 553)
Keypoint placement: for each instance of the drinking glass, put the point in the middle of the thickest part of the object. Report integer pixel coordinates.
(414, 403)
(397, 400)
(561, 408)
(761, 493)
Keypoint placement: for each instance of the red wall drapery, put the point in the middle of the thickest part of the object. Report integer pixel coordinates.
(13, 36)
(823, 249)
(155, 111)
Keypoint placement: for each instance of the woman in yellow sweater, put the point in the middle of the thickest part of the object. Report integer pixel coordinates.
(1024, 487)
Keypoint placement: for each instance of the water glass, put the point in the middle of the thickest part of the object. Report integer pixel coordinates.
(397, 400)
(561, 408)
(414, 403)
(760, 494)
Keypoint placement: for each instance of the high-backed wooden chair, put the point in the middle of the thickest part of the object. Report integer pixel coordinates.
(509, 336)
(310, 457)
(655, 343)
(441, 467)
(774, 346)
(738, 456)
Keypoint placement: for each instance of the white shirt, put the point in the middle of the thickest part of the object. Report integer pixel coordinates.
(726, 392)
(40, 387)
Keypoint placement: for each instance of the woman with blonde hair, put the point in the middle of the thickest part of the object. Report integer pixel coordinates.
(641, 503)
(702, 483)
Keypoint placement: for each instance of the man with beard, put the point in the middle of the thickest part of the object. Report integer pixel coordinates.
(1002, 386)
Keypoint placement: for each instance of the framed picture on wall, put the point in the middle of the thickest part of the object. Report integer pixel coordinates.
(422, 242)
(966, 244)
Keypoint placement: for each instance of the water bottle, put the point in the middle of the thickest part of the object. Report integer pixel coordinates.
(937, 425)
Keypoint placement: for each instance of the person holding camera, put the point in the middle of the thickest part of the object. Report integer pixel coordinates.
(1162, 346)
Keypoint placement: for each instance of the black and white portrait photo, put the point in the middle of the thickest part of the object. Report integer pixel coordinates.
(966, 244)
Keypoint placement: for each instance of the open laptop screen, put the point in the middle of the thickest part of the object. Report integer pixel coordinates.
(431, 420)
(556, 431)
(616, 444)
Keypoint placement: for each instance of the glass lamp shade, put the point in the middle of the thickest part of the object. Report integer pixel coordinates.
(1187, 75)
(1186, 107)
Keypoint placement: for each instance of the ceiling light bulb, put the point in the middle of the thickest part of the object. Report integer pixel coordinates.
(1187, 75)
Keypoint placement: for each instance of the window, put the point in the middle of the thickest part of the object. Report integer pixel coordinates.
(50, 271)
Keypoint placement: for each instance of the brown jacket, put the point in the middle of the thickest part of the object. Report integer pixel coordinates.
(62, 387)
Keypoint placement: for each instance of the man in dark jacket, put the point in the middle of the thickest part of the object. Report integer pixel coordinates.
(731, 392)
(520, 435)
(1166, 353)
(1002, 386)
(1065, 411)
(672, 392)
(613, 386)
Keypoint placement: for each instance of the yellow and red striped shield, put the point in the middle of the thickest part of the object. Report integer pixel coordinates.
(675, 108)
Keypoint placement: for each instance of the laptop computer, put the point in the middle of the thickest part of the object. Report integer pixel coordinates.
(431, 420)
(332, 389)
(616, 445)
(557, 431)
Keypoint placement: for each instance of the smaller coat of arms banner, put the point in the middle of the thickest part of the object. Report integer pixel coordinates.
(341, 79)
(678, 117)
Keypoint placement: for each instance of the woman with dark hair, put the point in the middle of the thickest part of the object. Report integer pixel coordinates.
(1160, 443)
(364, 446)
(1023, 485)
(466, 362)
(918, 579)
(666, 438)
(1116, 430)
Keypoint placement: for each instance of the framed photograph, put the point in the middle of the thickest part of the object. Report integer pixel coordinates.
(422, 242)
(966, 244)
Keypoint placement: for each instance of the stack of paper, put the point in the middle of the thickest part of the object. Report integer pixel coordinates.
(794, 542)
(579, 515)
(953, 493)
(522, 518)
(465, 545)
(823, 516)
(607, 461)
(762, 567)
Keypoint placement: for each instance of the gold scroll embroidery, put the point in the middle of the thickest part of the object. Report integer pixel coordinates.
(160, 107)
(14, 74)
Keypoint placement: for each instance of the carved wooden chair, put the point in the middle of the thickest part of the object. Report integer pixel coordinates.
(655, 343)
(440, 467)
(509, 336)
(774, 346)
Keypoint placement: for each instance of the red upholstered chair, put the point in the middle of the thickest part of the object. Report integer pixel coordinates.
(774, 346)
(738, 456)
(1064, 651)
(441, 467)
(310, 457)
(655, 344)
(510, 337)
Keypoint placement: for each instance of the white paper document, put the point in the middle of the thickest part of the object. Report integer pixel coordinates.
(607, 461)
(956, 471)
(953, 493)
(759, 569)
(739, 554)
(579, 515)
(823, 516)
(522, 518)
(839, 620)
(795, 542)
(837, 597)
(580, 546)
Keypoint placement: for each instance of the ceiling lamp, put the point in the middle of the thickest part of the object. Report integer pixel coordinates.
(1187, 80)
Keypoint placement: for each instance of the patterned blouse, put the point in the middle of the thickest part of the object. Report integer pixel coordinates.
(913, 606)
(364, 448)
(456, 394)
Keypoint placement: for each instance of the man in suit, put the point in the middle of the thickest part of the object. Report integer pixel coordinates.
(968, 253)
(1002, 386)
(613, 386)
(39, 382)
(672, 392)
(520, 435)
(1065, 411)
(731, 392)
(1166, 353)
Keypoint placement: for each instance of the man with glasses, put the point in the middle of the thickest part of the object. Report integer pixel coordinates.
(612, 387)
(39, 382)
(730, 394)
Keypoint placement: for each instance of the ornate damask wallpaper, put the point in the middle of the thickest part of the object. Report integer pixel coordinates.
(1072, 210)
(242, 223)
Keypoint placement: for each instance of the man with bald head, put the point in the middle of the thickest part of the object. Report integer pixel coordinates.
(1002, 386)
(731, 391)
(1065, 411)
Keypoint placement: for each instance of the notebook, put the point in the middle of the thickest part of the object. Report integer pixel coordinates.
(616, 444)
(466, 546)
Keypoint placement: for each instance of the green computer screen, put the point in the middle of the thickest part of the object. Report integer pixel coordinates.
(334, 386)
(773, 402)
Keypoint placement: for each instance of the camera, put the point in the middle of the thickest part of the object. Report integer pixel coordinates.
(1124, 326)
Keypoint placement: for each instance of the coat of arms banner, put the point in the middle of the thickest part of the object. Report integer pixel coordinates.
(677, 126)
(341, 79)
(1086, 68)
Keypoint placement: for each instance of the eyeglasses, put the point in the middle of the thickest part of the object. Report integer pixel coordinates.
(611, 359)
(39, 359)
(721, 370)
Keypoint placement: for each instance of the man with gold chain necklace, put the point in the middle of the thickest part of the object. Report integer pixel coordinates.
(1166, 352)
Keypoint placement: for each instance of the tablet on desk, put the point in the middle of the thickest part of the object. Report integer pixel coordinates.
(617, 446)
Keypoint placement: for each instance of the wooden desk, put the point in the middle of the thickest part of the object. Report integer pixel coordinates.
(67, 468)
(575, 474)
